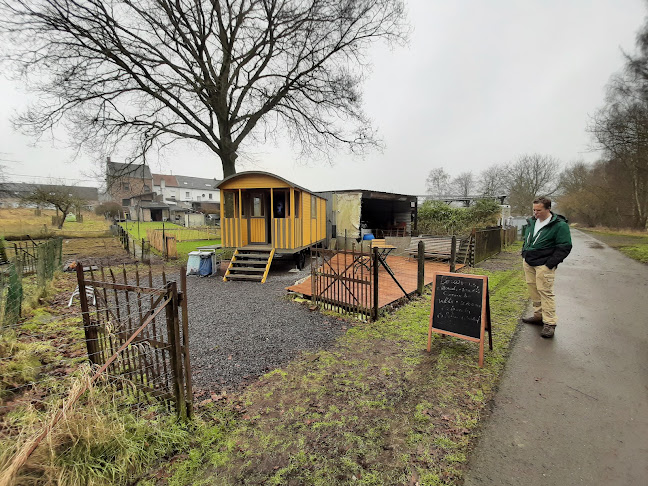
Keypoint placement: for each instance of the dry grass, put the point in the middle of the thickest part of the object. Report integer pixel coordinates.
(616, 231)
(19, 222)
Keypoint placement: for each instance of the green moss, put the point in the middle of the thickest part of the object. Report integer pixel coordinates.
(636, 252)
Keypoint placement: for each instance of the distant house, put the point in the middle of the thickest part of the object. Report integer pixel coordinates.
(154, 197)
(185, 194)
(13, 193)
(197, 190)
(145, 207)
(124, 181)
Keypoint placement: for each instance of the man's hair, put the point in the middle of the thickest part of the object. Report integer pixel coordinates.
(545, 201)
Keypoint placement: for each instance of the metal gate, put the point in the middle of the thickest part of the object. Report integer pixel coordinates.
(146, 327)
(343, 281)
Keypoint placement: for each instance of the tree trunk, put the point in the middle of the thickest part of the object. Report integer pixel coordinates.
(229, 164)
(62, 220)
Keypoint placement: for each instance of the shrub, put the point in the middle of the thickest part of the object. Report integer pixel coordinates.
(109, 210)
(439, 218)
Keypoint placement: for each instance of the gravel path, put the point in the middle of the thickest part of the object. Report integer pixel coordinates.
(240, 330)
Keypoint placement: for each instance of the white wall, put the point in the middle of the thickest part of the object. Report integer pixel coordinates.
(180, 194)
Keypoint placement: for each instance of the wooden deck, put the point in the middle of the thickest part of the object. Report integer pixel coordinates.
(404, 269)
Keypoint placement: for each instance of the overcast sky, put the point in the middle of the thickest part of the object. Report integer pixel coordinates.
(481, 82)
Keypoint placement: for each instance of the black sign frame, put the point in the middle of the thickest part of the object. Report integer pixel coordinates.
(441, 327)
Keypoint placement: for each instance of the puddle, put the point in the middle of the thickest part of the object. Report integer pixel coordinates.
(595, 244)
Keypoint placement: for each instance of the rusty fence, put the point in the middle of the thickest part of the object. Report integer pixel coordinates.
(360, 283)
(124, 237)
(137, 328)
(343, 281)
(27, 253)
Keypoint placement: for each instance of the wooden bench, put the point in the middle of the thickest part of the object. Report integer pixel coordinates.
(439, 247)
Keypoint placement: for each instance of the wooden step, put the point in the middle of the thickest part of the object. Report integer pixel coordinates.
(254, 278)
(259, 256)
(246, 261)
(251, 265)
(247, 269)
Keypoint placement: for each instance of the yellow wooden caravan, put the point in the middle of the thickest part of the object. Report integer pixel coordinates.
(263, 214)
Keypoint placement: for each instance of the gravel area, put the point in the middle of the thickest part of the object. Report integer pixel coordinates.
(240, 330)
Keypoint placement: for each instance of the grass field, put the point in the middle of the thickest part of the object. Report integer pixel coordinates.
(182, 234)
(629, 242)
(19, 222)
(188, 239)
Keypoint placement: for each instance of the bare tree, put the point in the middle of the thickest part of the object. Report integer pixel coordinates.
(463, 184)
(437, 183)
(147, 73)
(493, 181)
(597, 194)
(59, 197)
(531, 176)
(620, 129)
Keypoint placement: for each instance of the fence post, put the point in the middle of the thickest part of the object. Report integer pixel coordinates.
(89, 330)
(185, 339)
(420, 279)
(453, 254)
(473, 251)
(165, 253)
(376, 308)
(173, 331)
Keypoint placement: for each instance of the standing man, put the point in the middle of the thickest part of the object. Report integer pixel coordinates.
(547, 242)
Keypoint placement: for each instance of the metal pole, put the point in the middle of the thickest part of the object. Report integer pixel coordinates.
(164, 243)
(89, 330)
(376, 308)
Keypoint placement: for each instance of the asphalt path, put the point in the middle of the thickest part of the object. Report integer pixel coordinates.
(574, 409)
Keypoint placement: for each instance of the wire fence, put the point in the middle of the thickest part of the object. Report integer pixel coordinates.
(130, 332)
(117, 310)
(29, 258)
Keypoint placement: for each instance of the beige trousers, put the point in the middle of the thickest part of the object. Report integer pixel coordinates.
(540, 281)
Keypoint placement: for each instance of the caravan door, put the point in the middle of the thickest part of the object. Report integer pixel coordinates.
(258, 215)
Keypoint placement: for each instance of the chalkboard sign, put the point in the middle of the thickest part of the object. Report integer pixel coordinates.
(460, 308)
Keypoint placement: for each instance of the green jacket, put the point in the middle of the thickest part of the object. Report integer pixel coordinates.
(550, 246)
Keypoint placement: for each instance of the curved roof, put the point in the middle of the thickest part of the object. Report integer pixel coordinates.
(268, 174)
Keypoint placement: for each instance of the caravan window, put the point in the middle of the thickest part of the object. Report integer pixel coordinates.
(279, 201)
(257, 206)
(229, 205)
(313, 207)
(297, 204)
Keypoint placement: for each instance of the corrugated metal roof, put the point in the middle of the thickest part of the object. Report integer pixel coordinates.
(369, 192)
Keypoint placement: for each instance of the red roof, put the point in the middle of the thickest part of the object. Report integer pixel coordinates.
(169, 180)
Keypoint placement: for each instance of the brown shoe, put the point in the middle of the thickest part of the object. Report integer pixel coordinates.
(548, 331)
(532, 320)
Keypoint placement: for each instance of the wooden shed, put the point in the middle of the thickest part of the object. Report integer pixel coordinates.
(262, 213)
